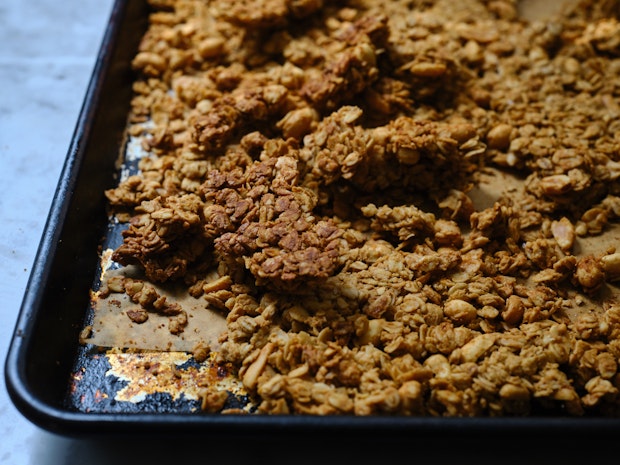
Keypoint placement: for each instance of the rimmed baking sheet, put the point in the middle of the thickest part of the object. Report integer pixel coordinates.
(76, 389)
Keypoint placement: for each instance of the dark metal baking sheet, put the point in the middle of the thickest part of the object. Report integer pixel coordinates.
(45, 360)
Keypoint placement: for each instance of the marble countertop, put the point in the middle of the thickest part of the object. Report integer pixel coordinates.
(47, 52)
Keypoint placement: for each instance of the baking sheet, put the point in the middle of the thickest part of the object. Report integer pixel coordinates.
(60, 385)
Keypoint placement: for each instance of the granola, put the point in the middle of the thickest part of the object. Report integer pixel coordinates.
(318, 172)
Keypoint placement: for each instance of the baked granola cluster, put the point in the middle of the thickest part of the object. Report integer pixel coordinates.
(310, 173)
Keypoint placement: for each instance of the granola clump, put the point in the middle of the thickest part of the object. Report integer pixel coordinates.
(312, 171)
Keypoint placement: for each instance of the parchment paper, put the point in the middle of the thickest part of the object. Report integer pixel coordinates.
(112, 327)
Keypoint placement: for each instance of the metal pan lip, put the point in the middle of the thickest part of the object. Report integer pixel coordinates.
(80, 424)
(93, 425)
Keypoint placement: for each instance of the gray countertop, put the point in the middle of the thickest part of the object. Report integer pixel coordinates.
(47, 52)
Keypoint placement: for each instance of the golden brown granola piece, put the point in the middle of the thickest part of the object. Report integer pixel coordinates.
(164, 238)
(243, 106)
(266, 13)
(351, 70)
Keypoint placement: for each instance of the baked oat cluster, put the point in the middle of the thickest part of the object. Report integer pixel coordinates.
(310, 173)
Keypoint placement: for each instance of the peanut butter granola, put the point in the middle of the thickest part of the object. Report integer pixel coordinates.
(405, 207)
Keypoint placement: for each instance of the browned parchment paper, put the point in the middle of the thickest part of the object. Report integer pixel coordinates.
(113, 328)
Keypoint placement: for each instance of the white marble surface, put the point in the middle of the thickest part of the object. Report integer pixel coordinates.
(47, 52)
